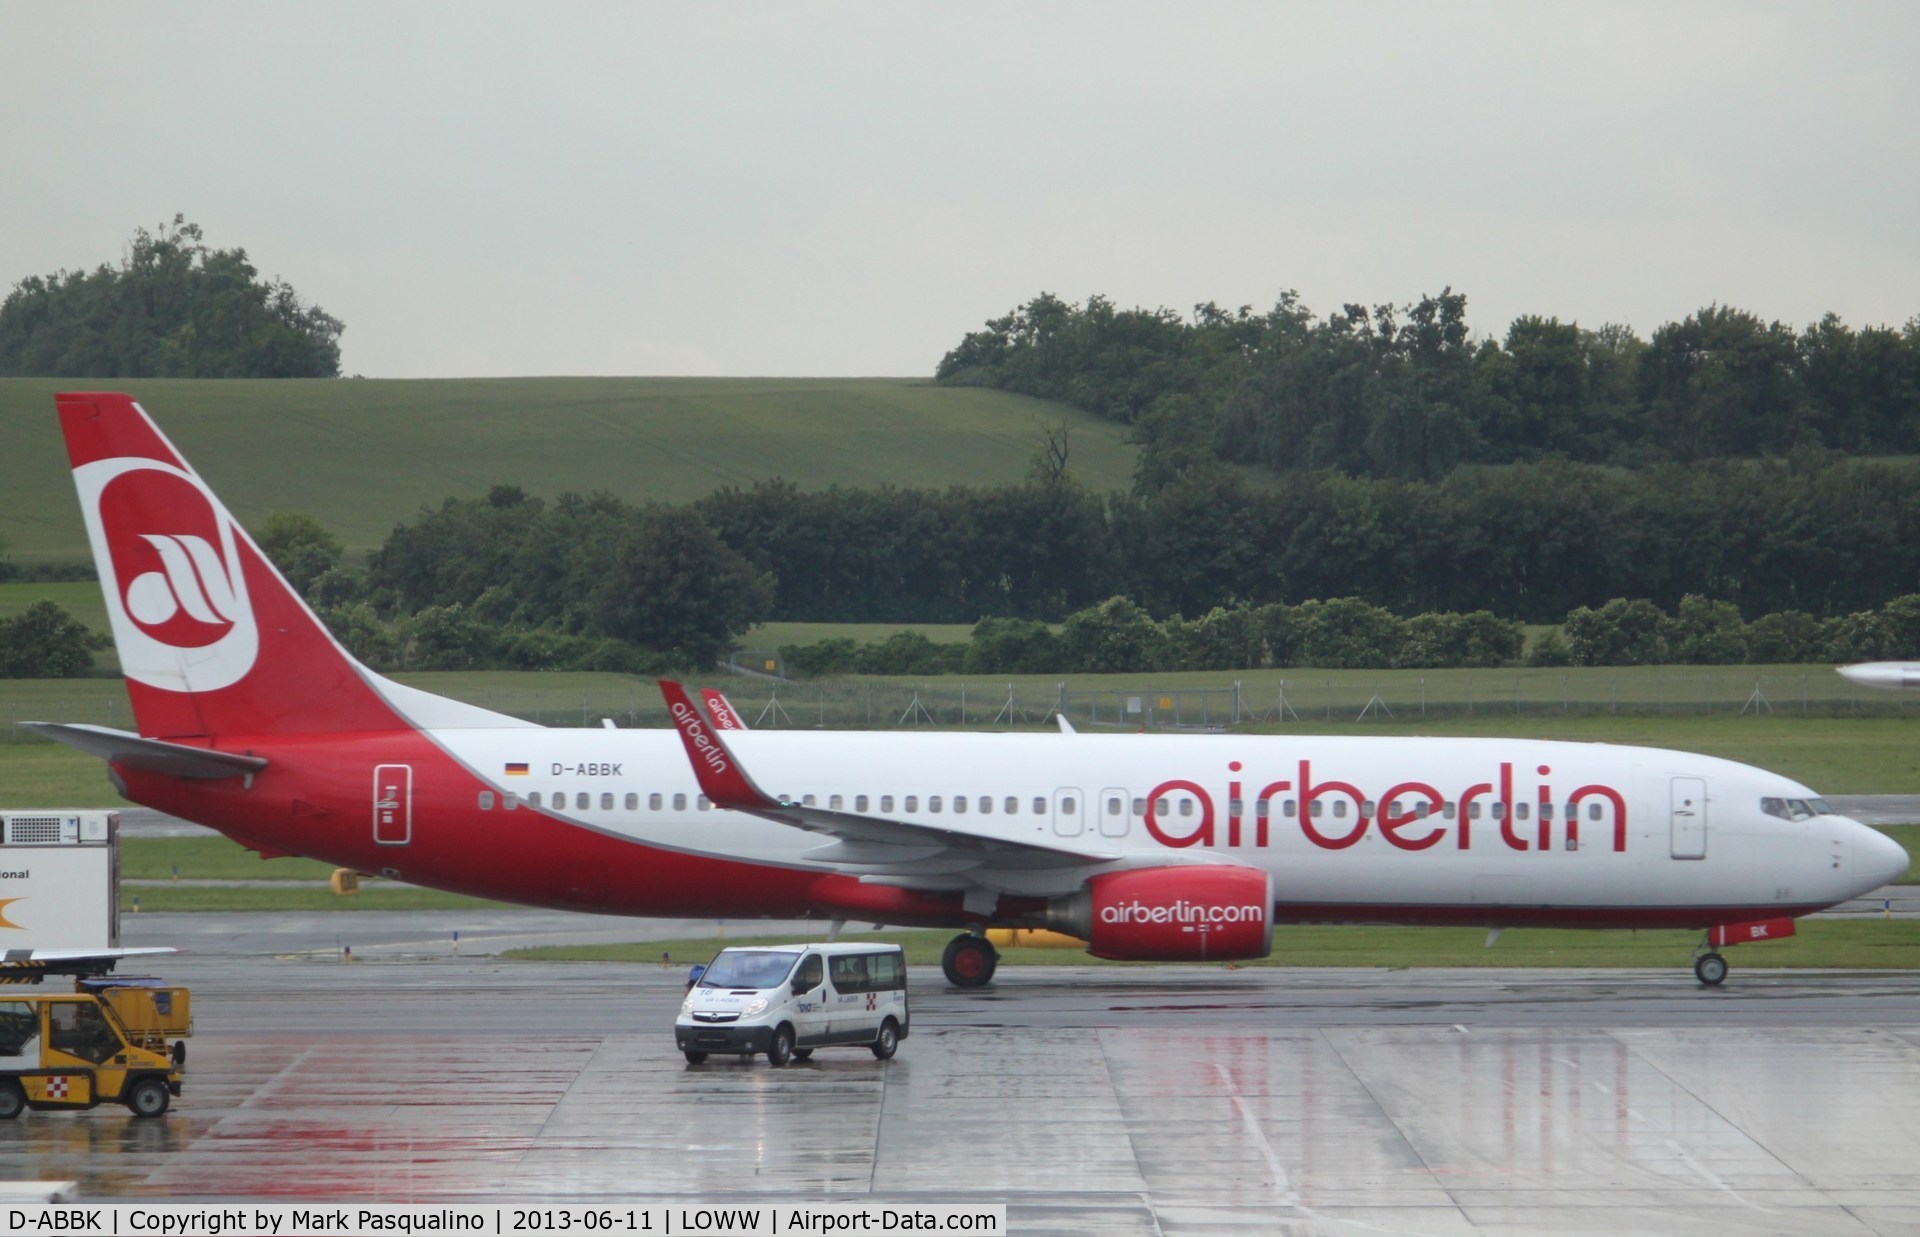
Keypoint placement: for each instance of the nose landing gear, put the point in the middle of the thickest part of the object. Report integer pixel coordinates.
(1709, 968)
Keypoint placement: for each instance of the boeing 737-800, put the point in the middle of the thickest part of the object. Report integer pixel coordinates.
(253, 720)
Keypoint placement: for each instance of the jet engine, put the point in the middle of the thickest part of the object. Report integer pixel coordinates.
(1198, 913)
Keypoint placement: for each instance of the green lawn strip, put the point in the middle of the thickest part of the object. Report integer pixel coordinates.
(210, 858)
(373, 896)
(1822, 943)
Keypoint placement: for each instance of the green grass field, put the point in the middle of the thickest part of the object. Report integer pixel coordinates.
(362, 455)
(1821, 943)
(374, 896)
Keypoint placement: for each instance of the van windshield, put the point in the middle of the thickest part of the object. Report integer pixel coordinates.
(748, 968)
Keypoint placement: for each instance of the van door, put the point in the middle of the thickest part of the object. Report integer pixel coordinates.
(1689, 818)
(855, 1000)
(808, 1002)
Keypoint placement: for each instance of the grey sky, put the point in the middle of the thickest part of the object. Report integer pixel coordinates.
(811, 189)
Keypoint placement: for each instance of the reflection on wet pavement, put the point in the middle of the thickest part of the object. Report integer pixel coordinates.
(1102, 1127)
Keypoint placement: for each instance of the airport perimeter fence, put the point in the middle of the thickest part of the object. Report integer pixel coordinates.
(1303, 700)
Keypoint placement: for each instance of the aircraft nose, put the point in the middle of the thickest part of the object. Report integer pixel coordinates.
(1877, 857)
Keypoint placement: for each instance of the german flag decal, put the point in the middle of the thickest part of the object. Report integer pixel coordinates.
(516, 770)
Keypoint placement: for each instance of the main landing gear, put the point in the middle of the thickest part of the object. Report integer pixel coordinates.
(969, 961)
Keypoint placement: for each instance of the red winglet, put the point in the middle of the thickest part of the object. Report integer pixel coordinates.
(725, 717)
(720, 775)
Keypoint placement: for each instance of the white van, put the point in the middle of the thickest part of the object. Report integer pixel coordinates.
(787, 1000)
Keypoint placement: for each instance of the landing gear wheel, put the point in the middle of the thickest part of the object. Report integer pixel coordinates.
(694, 1056)
(801, 1054)
(780, 1048)
(887, 1042)
(1710, 969)
(969, 961)
(13, 1101)
(148, 1097)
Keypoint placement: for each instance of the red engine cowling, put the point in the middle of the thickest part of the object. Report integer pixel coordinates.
(1199, 913)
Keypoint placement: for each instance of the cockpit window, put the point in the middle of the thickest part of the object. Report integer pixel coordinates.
(1775, 807)
(1799, 809)
(1820, 808)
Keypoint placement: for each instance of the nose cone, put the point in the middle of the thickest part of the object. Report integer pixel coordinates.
(1877, 859)
(1895, 675)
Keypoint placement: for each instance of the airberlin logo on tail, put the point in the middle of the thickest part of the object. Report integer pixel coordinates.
(171, 575)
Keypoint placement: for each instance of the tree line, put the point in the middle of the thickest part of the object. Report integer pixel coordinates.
(1118, 636)
(1411, 393)
(172, 308)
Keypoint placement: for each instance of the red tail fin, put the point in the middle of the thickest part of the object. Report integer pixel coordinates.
(212, 640)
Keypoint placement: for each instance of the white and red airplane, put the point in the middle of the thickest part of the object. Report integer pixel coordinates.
(253, 720)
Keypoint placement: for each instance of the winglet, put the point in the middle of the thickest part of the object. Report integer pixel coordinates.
(721, 777)
(725, 716)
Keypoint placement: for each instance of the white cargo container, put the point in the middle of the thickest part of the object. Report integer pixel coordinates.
(59, 880)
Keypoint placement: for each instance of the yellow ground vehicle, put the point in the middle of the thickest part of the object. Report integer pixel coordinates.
(74, 1050)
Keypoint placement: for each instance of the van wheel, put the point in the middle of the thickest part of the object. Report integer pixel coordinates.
(13, 1101)
(694, 1056)
(780, 1047)
(969, 961)
(801, 1054)
(887, 1042)
(148, 1097)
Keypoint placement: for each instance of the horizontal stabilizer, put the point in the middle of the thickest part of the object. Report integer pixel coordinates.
(152, 755)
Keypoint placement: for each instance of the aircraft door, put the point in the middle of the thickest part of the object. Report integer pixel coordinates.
(1116, 816)
(393, 804)
(1689, 818)
(1067, 813)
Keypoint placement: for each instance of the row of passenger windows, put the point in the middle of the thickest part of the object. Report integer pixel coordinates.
(1010, 805)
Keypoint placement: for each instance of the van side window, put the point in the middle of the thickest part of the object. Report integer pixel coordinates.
(886, 972)
(850, 973)
(811, 972)
(19, 1023)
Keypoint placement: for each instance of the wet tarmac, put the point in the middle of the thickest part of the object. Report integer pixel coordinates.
(1148, 1100)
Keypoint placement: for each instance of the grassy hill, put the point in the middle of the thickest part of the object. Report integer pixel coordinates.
(361, 455)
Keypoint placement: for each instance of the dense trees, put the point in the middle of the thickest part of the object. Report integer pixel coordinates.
(45, 642)
(1408, 393)
(173, 308)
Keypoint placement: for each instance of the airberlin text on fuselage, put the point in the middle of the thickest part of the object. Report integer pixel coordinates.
(1397, 813)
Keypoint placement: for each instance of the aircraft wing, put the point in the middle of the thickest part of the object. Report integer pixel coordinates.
(31, 965)
(877, 845)
(153, 755)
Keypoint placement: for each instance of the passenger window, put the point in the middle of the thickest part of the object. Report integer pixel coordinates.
(1162, 807)
(513, 801)
(633, 802)
(1186, 806)
(1499, 811)
(679, 803)
(933, 803)
(1139, 807)
(1448, 810)
(960, 805)
(913, 803)
(1236, 807)
(1317, 808)
(1013, 806)
(1039, 806)
(1473, 811)
(1366, 807)
(986, 805)
(1520, 811)
(582, 801)
(703, 803)
(606, 802)
(653, 802)
(859, 803)
(533, 799)
(1546, 811)
(1262, 808)
(1287, 808)
(886, 803)
(1339, 809)
(806, 800)
(486, 800)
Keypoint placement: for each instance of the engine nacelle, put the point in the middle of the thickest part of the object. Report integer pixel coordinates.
(1198, 913)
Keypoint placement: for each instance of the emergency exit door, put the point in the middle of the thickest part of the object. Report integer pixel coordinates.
(1689, 818)
(393, 804)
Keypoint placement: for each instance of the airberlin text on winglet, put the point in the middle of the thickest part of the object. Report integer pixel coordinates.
(711, 753)
(1404, 826)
